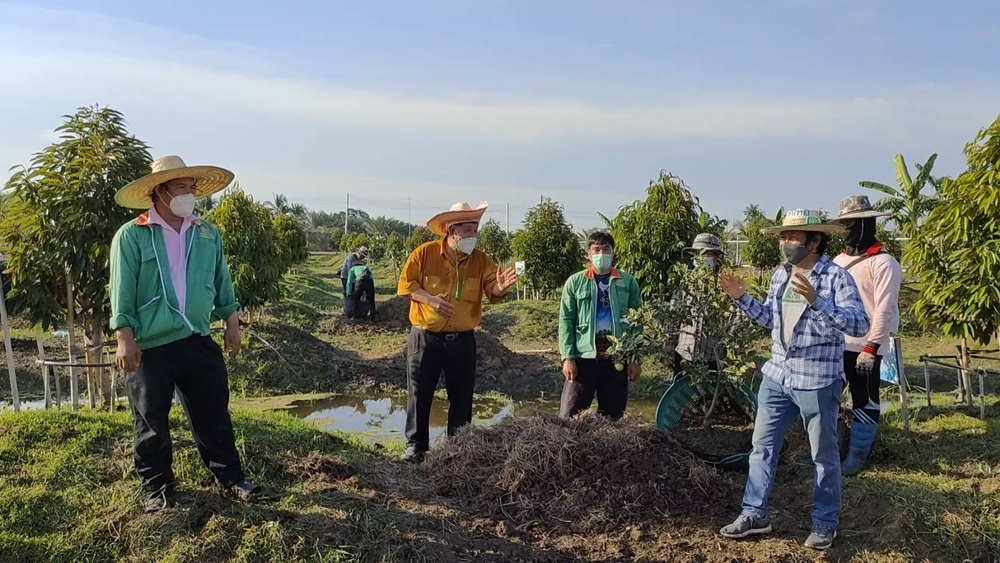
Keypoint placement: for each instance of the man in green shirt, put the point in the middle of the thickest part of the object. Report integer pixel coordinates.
(169, 281)
(594, 302)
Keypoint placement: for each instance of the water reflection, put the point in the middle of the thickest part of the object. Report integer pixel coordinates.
(380, 417)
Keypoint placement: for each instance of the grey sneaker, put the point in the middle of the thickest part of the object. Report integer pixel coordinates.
(821, 537)
(413, 455)
(746, 525)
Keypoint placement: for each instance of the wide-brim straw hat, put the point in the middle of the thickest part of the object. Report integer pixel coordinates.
(858, 207)
(805, 220)
(458, 214)
(705, 242)
(208, 180)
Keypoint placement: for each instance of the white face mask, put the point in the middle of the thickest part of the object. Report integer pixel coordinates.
(182, 205)
(467, 245)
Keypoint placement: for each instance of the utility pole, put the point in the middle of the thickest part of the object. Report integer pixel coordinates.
(508, 221)
(347, 212)
(409, 218)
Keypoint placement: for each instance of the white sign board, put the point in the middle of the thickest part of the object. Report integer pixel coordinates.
(519, 268)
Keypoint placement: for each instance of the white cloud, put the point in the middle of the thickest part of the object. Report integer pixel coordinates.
(83, 51)
(183, 88)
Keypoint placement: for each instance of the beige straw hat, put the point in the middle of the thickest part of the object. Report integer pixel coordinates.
(805, 220)
(459, 213)
(208, 180)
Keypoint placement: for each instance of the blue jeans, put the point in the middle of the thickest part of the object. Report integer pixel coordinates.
(776, 410)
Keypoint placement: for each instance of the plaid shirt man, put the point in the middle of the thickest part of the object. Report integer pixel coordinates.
(815, 356)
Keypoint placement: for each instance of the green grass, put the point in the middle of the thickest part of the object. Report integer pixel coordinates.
(67, 493)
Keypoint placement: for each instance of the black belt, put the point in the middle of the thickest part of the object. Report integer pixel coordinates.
(449, 336)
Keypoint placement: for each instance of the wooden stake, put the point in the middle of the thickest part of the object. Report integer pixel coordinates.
(903, 395)
(71, 328)
(45, 368)
(15, 397)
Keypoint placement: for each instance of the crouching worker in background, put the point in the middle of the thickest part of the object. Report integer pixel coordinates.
(446, 281)
(169, 281)
(594, 302)
(359, 302)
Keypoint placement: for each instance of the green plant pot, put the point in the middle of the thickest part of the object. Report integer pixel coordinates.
(684, 393)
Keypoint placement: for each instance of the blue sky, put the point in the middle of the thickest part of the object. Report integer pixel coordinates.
(777, 103)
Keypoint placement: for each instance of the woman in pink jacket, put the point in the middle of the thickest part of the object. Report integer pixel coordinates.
(878, 277)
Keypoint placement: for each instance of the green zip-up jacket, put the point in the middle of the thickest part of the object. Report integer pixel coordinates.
(142, 294)
(578, 311)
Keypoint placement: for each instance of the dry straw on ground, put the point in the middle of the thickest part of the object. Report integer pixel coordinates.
(587, 474)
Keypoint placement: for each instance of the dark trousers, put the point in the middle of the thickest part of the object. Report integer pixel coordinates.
(595, 377)
(864, 390)
(195, 365)
(428, 354)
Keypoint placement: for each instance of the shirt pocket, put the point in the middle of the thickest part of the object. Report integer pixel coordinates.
(472, 290)
(148, 284)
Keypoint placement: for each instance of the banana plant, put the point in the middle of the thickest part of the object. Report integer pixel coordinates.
(908, 204)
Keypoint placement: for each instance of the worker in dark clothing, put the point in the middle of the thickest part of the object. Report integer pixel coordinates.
(359, 255)
(360, 300)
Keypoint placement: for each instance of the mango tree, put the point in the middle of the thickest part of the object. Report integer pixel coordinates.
(60, 217)
(548, 246)
(955, 252)
(255, 261)
(650, 235)
(291, 240)
(494, 242)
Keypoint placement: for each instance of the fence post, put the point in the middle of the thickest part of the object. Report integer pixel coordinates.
(982, 395)
(15, 397)
(927, 381)
(903, 395)
(45, 368)
(71, 322)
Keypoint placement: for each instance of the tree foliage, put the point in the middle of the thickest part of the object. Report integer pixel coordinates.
(548, 246)
(760, 251)
(955, 254)
(419, 236)
(255, 261)
(290, 239)
(650, 235)
(352, 241)
(494, 242)
(696, 299)
(60, 212)
(908, 204)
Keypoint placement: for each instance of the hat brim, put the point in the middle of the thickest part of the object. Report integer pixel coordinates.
(693, 249)
(439, 223)
(828, 228)
(861, 215)
(208, 180)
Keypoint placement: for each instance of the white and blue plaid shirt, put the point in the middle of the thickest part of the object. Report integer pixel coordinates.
(814, 358)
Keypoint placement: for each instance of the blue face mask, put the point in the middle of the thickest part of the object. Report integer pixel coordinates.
(601, 262)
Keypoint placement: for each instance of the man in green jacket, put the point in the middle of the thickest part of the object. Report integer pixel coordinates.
(169, 281)
(594, 302)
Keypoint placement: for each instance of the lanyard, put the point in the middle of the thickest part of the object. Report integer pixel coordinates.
(459, 278)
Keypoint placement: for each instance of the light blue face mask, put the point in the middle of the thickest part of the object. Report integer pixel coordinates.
(601, 262)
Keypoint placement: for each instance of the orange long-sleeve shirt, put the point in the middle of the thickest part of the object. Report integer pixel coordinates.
(431, 269)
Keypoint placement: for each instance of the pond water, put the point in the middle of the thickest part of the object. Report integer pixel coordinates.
(381, 417)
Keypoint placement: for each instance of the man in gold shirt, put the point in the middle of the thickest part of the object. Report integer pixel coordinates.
(446, 281)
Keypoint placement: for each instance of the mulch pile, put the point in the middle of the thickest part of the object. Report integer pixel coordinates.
(588, 474)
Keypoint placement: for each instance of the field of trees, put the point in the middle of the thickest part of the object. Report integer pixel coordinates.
(68, 491)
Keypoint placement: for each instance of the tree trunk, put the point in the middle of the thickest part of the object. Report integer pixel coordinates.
(718, 389)
(88, 358)
(966, 376)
